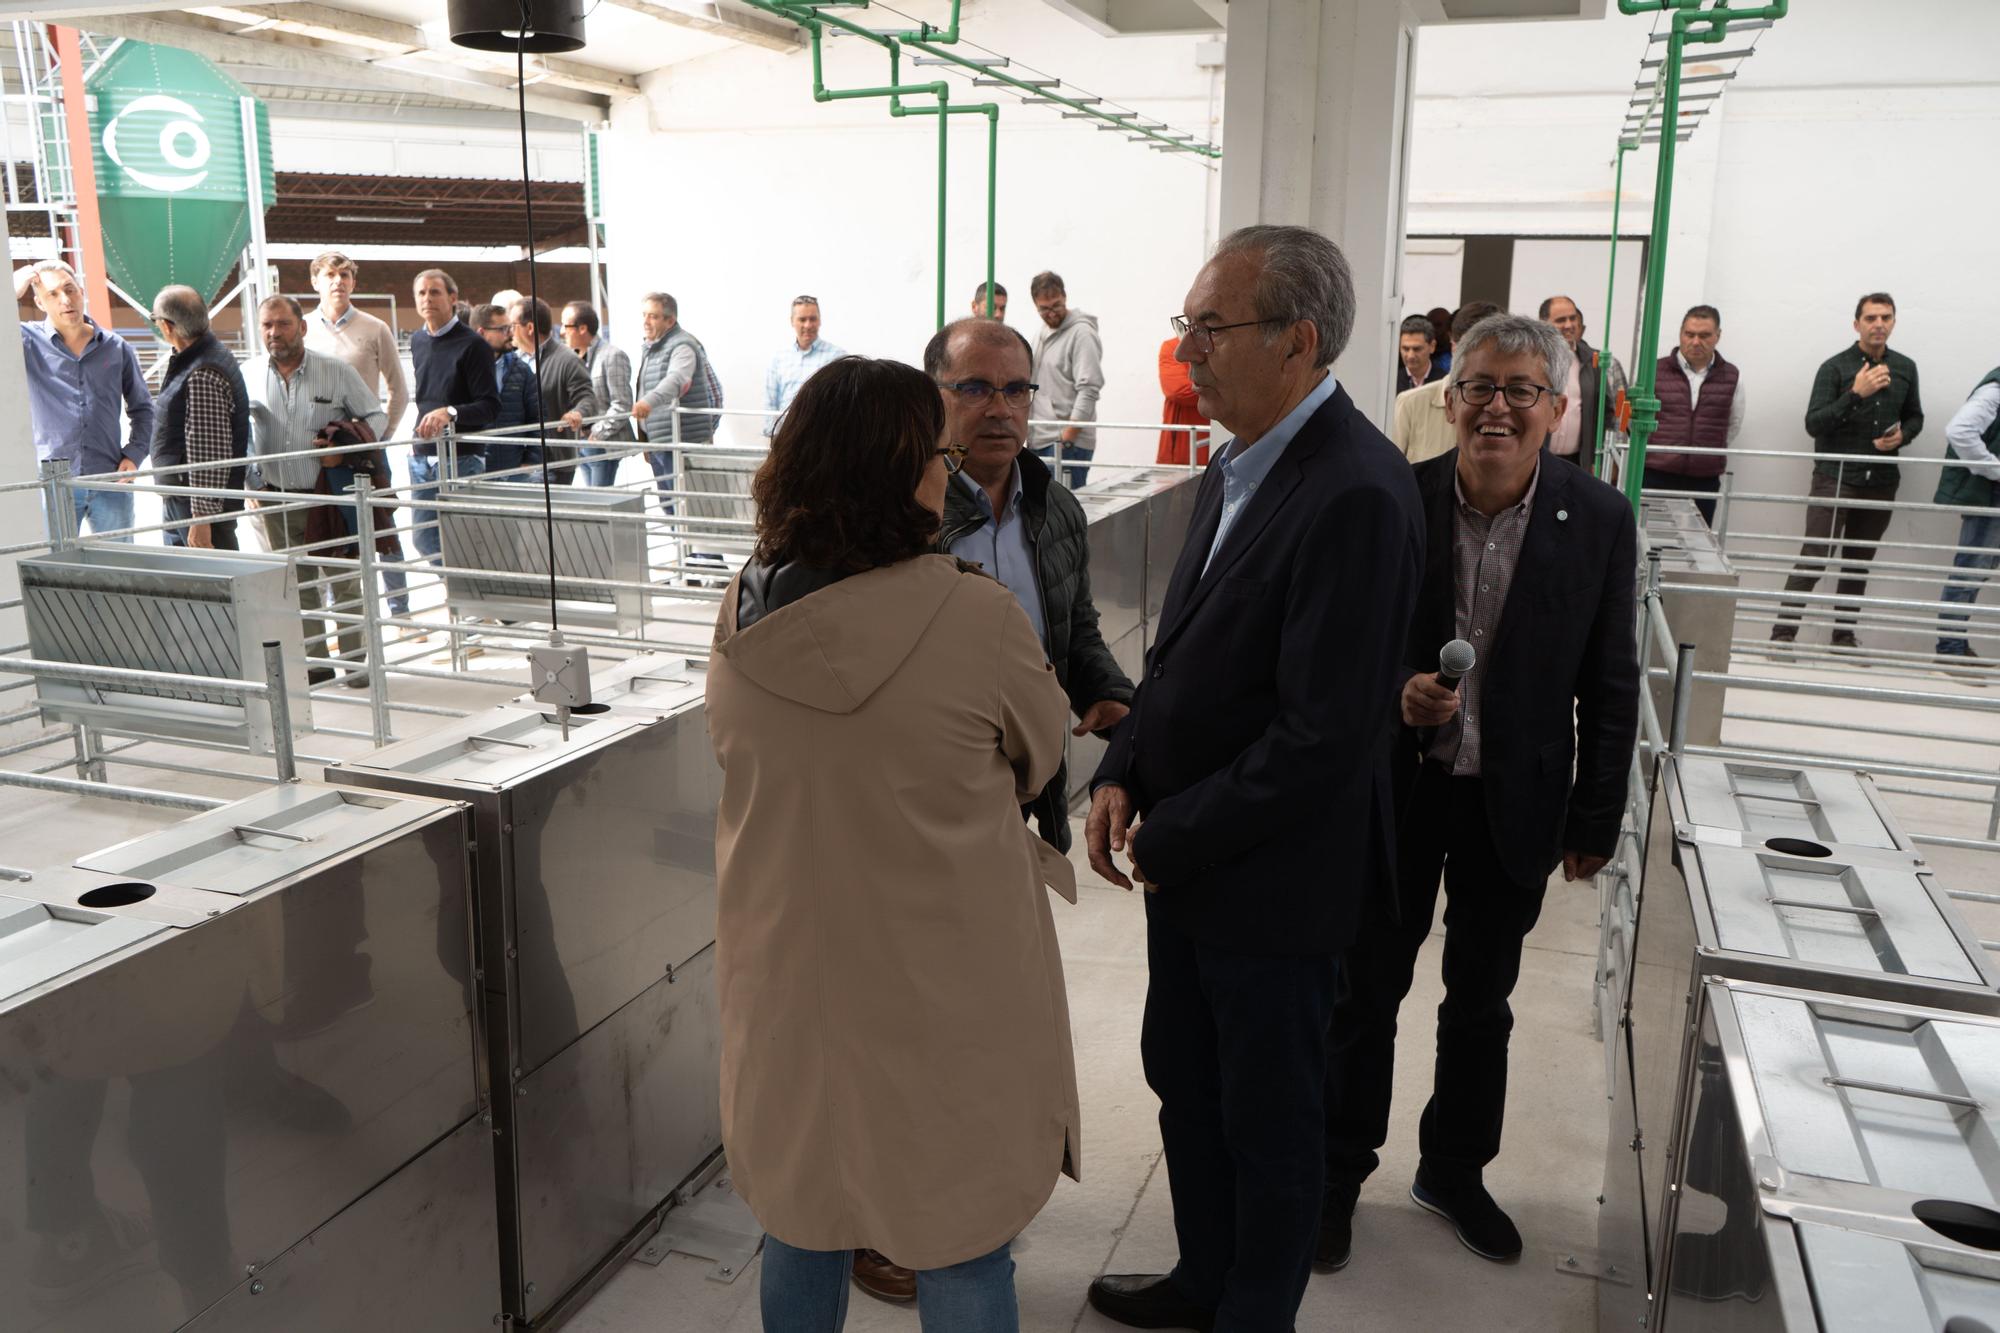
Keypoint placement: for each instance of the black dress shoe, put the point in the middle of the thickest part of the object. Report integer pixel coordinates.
(1481, 1225)
(1336, 1228)
(1147, 1300)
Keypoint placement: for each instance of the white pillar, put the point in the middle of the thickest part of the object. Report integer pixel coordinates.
(1316, 132)
(20, 511)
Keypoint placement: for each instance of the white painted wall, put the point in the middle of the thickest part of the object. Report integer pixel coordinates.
(730, 188)
(1848, 156)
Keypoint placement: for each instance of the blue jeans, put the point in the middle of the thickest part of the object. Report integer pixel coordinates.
(805, 1291)
(603, 473)
(423, 485)
(107, 511)
(1075, 472)
(1982, 532)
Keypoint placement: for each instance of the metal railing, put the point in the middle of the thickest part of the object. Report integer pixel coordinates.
(692, 541)
(1922, 725)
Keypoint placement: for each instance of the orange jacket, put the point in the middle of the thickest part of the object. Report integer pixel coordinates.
(1180, 410)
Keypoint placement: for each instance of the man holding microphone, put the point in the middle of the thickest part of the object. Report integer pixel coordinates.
(1530, 562)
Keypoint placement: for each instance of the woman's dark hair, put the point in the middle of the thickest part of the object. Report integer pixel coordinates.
(839, 489)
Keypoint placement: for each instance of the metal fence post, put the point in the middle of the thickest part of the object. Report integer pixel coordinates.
(1683, 697)
(371, 620)
(89, 760)
(59, 504)
(1722, 510)
(281, 712)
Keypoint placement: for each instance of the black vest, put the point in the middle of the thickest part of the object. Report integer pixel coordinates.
(170, 403)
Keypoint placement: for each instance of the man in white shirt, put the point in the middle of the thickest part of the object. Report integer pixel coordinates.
(294, 393)
(1973, 435)
(1701, 406)
(341, 329)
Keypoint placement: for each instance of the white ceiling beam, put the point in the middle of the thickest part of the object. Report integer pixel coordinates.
(387, 38)
(699, 16)
(305, 55)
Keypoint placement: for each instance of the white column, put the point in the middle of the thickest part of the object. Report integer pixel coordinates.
(20, 511)
(1315, 132)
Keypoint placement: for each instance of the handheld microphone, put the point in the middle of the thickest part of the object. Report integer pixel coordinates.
(1455, 661)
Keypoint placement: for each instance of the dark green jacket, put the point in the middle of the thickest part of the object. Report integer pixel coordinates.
(1845, 425)
(1961, 485)
(1059, 538)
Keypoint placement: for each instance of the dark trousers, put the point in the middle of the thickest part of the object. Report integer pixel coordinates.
(1235, 1046)
(1486, 917)
(221, 529)
(1856, 529)
(1653, 479)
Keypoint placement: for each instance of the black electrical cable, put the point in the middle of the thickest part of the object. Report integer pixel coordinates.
(535, 303)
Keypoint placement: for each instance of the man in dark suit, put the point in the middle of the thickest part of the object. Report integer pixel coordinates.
(1257, 754)
(1530, 560)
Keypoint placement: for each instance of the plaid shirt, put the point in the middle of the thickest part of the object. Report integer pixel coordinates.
(1485, 552)
(210, 401)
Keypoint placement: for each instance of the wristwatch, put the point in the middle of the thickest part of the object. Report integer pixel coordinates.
(451, 412)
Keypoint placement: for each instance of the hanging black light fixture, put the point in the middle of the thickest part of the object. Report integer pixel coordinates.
(551, 26)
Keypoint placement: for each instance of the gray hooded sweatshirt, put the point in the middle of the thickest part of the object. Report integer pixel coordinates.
(1069, 365)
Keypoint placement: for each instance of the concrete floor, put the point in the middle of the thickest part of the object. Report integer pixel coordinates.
(1408, 1271)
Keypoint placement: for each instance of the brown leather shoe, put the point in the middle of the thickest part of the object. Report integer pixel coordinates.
(885, 1281)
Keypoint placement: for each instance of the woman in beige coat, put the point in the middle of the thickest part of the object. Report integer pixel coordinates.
(896, 1062)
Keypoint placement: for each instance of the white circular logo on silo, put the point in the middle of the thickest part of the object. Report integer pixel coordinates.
(179, 159)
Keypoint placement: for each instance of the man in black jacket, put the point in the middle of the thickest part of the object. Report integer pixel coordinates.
(1257, 754)
(455, 392)
(1531, 562)
(1004, 511)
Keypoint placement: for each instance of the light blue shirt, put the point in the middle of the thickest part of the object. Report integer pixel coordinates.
(1000, 544)
(1244, 469)
(790, 369)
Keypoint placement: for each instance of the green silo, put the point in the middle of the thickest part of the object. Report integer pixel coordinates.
(167, 127)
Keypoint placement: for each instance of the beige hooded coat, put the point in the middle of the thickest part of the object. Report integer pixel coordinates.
(896, 1062)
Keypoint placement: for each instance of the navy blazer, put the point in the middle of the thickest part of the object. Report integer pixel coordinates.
(1258, 747)
(1561, 691)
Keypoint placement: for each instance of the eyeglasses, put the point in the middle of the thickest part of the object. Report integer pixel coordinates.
(1017, 394)
(954, 457)
(1204, 334)
(1478, 393)
(497, 328)
(567, 327)
(805, 300)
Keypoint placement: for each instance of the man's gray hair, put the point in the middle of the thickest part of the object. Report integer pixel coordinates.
(56, 266)
(667, 304)
(1420, 325)
(184, 306)
(1305, 277)
(290, 303)
(1513, 335)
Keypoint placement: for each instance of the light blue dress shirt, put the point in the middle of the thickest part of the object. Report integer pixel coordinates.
(1001, 545)
(1244, 469)
(74, 402)
(789, 371)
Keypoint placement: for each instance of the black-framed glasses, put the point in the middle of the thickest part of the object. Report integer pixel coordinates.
(953, 456)
(1204, 334)
(1017, 394)
(1478, 393)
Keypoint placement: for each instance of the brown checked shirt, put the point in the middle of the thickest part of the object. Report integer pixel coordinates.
(1484, 554)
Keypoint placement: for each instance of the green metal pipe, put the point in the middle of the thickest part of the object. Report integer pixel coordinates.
(1121, 121)
(992, 113)
(1611, 289)
(1645, 394)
